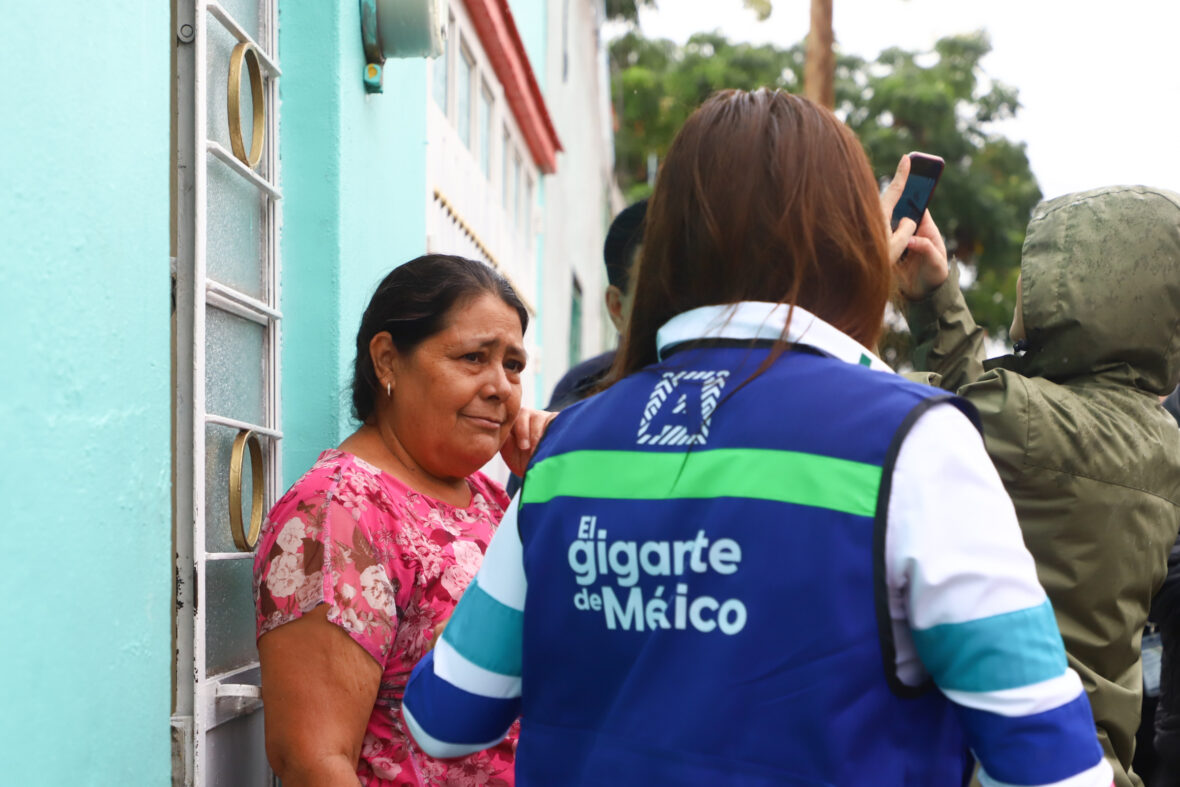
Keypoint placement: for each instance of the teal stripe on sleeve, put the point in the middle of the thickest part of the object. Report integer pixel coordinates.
(799, 478)
(1000, 652)
(485, 632)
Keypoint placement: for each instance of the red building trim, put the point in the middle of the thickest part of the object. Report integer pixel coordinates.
(501, 41)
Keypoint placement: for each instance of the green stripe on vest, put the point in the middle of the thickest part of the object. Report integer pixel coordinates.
(754, 473)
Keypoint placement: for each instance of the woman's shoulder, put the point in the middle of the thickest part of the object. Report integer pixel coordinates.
(319, 480)
(337, 478)
(342, 503)
(315, 482)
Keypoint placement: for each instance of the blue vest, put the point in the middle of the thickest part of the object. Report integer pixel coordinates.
(706, 594)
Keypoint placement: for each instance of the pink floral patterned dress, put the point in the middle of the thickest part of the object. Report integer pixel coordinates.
(390, 563)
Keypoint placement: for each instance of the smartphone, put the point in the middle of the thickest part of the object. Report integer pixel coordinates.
(925, 170)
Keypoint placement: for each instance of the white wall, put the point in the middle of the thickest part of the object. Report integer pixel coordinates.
(470, 213)
(581, 199)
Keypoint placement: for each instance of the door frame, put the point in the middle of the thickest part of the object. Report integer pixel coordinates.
(202, 702)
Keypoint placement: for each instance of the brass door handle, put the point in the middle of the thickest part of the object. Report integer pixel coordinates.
(243, 540)
(246, 52)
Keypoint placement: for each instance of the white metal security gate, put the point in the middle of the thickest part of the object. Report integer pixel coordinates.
(226, 366)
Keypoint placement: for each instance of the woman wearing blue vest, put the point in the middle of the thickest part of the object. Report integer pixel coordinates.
(760, 557)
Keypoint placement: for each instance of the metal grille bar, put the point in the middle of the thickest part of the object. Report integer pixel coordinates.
(237, 166)
(229, 555)
(239, 33)
(229, 299)
(234, 423)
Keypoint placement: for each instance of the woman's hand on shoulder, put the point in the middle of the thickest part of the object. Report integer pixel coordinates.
(522, 441)
(918, 252)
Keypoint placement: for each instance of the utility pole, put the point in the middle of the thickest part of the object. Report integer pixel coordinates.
(819, 73)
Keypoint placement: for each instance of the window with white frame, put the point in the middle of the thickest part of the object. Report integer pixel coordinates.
(527, 213)
(464, 78)
(485, 130)
(441, 67)
(505, 156)
(575, 346)
(516, 189)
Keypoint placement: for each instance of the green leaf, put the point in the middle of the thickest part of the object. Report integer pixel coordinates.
(761, 8)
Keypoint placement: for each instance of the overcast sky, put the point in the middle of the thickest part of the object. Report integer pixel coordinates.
(1099, 81)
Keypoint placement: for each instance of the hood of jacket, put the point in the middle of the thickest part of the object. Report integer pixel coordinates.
(1100, 285)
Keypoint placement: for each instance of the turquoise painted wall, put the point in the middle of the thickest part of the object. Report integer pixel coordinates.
(309, 153)
(86, 403)
(354, 186)
(532, 22)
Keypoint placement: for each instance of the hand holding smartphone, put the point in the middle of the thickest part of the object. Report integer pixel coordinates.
(919, 273)
(925, 170)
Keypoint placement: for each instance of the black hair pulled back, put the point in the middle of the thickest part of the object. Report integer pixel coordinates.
(412, 304)
(623, 239)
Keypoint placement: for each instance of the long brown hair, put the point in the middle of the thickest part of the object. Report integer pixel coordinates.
(763, 196)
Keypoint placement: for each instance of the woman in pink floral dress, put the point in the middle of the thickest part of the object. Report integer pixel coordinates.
(367, 554)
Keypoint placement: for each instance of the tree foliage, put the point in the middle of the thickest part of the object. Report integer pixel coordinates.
(940, 102)
(628, 10)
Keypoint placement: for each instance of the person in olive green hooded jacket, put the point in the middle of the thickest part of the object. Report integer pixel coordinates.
(1073, 421)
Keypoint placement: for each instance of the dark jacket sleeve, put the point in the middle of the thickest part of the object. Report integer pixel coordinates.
(1166, 604)
(1165, 611)
(949, 354)
(947, 340)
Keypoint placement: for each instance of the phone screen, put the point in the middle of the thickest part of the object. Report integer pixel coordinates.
(919, 187)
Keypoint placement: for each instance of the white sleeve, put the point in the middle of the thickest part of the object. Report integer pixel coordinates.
(464, 695)
(953, 548)
(968, 610)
